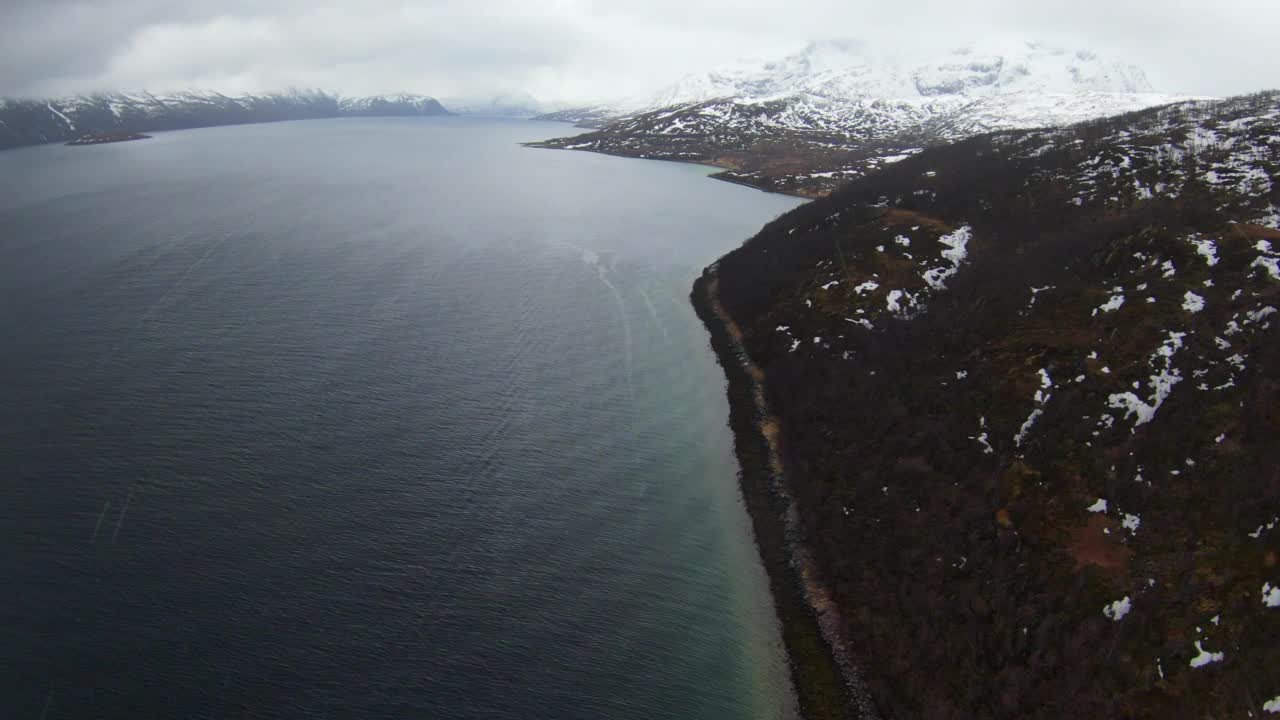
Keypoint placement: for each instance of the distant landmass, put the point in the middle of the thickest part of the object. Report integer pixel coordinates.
(838, 110)
(103, 138)
(32, 122)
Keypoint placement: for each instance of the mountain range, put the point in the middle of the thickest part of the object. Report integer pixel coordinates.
(847, 69)
(803, 124)
(30, 122)
(837, 110)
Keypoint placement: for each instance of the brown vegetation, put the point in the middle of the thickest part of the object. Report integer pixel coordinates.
(947, 505)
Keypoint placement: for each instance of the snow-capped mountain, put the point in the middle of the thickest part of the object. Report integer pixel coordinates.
(836, 109)
(842, 86)
(845, 70)
(384, 105)
(30, 122)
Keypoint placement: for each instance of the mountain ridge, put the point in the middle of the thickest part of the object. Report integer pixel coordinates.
(37, 121)
(847, 68)
(835, 111)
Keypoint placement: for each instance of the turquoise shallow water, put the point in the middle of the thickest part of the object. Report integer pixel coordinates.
(370, 418)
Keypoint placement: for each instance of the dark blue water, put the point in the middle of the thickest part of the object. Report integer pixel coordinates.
(369, 419)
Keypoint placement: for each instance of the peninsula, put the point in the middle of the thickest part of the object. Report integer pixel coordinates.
(103, 138)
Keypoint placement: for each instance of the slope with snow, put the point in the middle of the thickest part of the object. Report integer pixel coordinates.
(846, 70)
(1028, 384)
(849, 99)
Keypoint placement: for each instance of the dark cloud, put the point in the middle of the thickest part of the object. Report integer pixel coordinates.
(578, 49)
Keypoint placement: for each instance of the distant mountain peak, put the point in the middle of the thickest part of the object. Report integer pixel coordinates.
(31, 122)
(853, 68)
(837, 109)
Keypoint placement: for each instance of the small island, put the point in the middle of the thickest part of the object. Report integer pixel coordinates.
(102, 138)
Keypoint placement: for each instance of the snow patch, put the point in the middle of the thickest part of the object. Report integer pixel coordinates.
(64, 118)
(1270, 264)
(1111, 305)
(1026, 426)
(1271, 595)
(1131, 523)
(1118, 609)
(1041, 397)
(1192, 302)
(901, 303)
(1204, 657)
(1208, 249)
(1161, 384)
(956, 251)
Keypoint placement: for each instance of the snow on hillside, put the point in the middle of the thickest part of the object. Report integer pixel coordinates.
(838, 110)
(406, 101)
(1007, 111)
(1070, 332)
(1231, 148)
(846, 69)
(848, 88)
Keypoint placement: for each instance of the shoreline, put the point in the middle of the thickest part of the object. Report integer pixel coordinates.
(826, 680)
(105, 138)
(720, 173)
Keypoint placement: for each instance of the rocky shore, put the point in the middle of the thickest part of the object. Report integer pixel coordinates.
(103, 138)
(828, 683)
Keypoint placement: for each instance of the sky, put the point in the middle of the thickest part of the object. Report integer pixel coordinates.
(572, 51)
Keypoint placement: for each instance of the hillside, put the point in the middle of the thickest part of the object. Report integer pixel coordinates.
(852, 68)
(836, 111)
(1024, 393)
(31, 122)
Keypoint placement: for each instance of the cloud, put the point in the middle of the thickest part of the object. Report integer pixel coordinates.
(392, 49)
(577, 49)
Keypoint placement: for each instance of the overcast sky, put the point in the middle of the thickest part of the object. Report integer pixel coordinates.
(563, 50)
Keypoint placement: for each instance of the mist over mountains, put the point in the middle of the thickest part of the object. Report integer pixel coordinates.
(848, 68)
(1013, 84)
(837, 88)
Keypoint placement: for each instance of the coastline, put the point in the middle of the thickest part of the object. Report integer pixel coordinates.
(826, 681)
(721, 174)
(105, 138)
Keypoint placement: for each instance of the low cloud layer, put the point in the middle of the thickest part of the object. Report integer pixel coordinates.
(576, 50)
